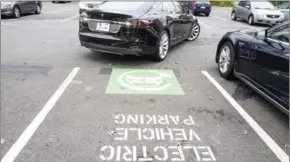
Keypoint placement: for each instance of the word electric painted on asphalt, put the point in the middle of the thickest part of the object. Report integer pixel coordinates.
(143, 81)
(158, 152)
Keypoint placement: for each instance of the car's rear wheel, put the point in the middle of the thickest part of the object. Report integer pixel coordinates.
(226, 60)
(207, 14)
(251, 20)
(38, 9)
(194, 32)
(16, 12)
(163, 47)
(233, 16)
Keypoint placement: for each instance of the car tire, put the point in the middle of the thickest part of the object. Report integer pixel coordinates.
(194, 32)
(226, 60)
(16, 12)
(207, 14)
(38, 9)
(251, 20)
(233, 16)
(162, 48)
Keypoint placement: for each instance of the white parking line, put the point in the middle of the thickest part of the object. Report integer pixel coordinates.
(55, 11)
(282, 156)
(221, 18)
(32, 127)
(69, 18)
(203, 24)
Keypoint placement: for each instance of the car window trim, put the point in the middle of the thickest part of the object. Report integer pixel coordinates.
(278, 41)
(275, 27)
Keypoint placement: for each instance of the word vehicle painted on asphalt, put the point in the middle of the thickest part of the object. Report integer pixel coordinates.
(157, 134)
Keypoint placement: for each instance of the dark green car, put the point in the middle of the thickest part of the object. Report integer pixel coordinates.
(284, 8)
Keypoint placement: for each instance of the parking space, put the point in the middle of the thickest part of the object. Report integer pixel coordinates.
(93, 124)
(120, 108)
(24, 90)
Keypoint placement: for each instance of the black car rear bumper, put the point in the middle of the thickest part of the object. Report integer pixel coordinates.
(6, 11)
(206, 11)
(108, 49)
(110, 44)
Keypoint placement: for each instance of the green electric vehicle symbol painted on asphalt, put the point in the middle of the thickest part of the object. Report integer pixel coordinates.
(128, 81)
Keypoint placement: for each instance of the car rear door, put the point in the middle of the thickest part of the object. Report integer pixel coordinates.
(239, 8)
(24, 6)
(245, 11)
(174, 21)
(31, 6)
(186, 20)
(267, 64)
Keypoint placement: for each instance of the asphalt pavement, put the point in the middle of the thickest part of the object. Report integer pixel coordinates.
(61, 102)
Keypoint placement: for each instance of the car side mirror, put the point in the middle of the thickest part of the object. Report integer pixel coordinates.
(262, 35)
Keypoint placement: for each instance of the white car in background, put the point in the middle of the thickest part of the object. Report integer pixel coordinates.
(257, 12)
(84, 5)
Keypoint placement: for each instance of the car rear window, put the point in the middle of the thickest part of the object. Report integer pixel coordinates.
(199, 2)
(121, 6)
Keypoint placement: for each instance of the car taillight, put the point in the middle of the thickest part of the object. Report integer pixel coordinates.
(193, 5)
(210, 5)
(145, 24)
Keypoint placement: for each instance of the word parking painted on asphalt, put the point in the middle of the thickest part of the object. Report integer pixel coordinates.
(143, 81)
(156, 152)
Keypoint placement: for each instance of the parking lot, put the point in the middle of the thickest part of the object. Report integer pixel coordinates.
(62, 102)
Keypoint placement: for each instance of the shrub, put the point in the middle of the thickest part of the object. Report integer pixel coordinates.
(223, 3)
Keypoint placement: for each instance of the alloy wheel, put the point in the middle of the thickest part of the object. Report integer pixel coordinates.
(233, 16)
(250, 20)
(163, 46)
(38, 10)
(194, 32)
(224, 59)
(16, 12)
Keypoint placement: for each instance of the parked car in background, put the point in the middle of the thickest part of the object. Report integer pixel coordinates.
(201, 7)
(257, 12)
(17, 8)
(136, 28)
(83, 6)
(284, 8)
(61, 1)
(260, 59)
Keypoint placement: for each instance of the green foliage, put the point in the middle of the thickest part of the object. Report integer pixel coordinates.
(223, 3)
(276, 3)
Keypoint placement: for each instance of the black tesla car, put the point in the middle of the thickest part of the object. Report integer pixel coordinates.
(260, 59)
(136, 28)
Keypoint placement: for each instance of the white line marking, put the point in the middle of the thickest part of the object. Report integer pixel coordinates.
(68, 18)
(282, 156)
(55, 11)
(221, 18)
(203, 24)
(39, 118)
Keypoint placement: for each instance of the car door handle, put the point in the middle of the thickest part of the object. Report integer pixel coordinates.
(256, 47)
